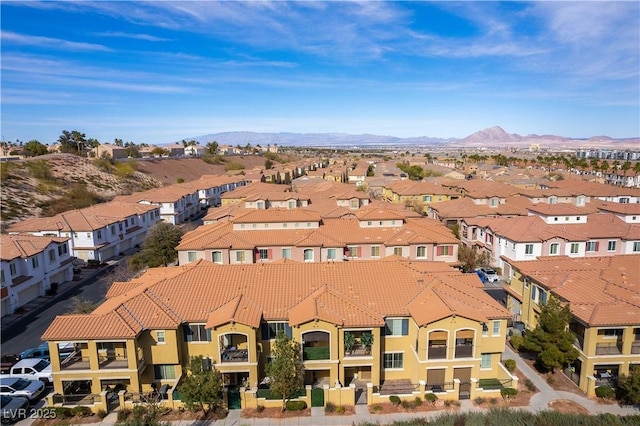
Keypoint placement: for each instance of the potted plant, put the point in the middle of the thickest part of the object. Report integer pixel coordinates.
(366, 338)
(349, 342)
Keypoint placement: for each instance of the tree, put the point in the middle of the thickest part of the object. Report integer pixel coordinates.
(212, 148)
(285, 372)
(471, 258)
(33, 148)
(72, 142)
(629, 386)
(81, 306)
(201, 389)
(371, 170)
(132, 150)
(268, 164)
(159, 246)
(551, 339)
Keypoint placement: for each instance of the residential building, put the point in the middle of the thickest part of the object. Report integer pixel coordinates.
(111, 151)
(603, 295)
(178, 203)
(433, 328)
(31, 266)
(417, 194)
(99, 232)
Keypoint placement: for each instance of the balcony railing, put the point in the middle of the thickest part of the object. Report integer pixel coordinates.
(578, 342)
(613, 348)
(437, 352)
(113, 361)
(311, 353)
(359, 350)
(75, 361)
(235, 355)
(464, 351)
(439, 387)
(635, 347)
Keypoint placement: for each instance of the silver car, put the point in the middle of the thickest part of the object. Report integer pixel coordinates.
(490, 275)
(13, 386)
(14, 408)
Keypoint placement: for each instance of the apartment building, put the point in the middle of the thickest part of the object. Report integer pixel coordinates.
(99, 232)
(31, 266)
(552, 230)
(603, 295)
(420, 194)
(413, 325)
(177, 203)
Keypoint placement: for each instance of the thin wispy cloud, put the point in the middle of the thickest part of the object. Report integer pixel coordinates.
(136, 36)
(9, 37)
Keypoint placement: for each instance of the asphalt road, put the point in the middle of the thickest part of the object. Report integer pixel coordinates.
(25, 332)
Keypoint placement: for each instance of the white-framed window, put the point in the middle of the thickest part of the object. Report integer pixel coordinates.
(192, 255)
(164, 371)
(636, 246)
(426, 198)
(62, 249)
(553, 200)
(574, 248)
(240, 256)
(292, 204)
(263, 254)
(485, 360)
(197, 333)
(592, 246)
(421, 252)
(528, 249)
(394, 360)
(270, 330)
(612, 333)
(444, 250)
(331, 254)
(396, 327)
(160, 337)
(485, 329)
(611, 245)
(353, 251)
(496, 328)
(554, 249)
(397, 251)
(286, 253)
(308, 255)
(494, 202)
(375, 251)
(216, 257)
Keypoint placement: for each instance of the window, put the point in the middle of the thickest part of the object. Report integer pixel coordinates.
(62, 249)
(485, 329)
(592, 246)
(331, 254)
(286, 253)
(113, 230)
(99, 234)
(292, 204)
(197, 333)
(543, 297)
(270, 330)
(396, 327)
(612, 333)
(52, 255)
(354, 204)
(375, 251)
(574, 248)
(240, 256)
(611, 246)
(160, 336)
(494, 202)
(444, 251)
(34, 262)
(534, 293)
(421, 252)
(308, 255)
(263, 254)
(554, 248)
(354, 251)
(528, 249)
(12, 268)
(636, 246)
(496, 328)
(426, 198)
(89, 235)
(192, 256)
(164, 372)
(394, 360)
(485, 360)
(553, 200)
(216, 257)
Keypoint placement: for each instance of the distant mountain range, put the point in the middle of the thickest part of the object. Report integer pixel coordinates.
(494, 137)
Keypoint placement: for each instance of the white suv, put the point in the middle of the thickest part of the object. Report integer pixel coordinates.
(489, 275)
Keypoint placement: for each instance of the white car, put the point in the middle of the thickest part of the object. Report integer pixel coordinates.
(14, 386)
(490, 275)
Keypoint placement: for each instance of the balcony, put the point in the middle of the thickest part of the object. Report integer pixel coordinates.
(313, 353)
(437, 352)
(235, 348)
(112, 361)
(464, 351)
(75, 361)
(613, 348)
(315, 346)
(235, 355)
(578, 342)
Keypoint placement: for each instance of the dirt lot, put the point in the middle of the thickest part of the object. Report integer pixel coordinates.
(557, 380)
(567, 406)
(388, 408)
(274, 413)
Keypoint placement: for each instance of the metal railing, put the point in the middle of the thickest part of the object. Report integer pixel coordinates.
(609, 348)
(437, 352)
(76, 399)
(464, 351)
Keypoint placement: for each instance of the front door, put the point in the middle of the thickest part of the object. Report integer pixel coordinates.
(464, 375)
(234, 398)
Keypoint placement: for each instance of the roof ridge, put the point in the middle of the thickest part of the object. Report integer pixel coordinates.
(149, 293)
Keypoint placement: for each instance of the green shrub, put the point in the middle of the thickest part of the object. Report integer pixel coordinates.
(101, 414)
(605, 392)
(330, 407)
(233, 166)
(551, 380)
(407, 405)
(377, 408)
(296, 405)
(340, 410)
(417, 402)
(260, 408)
(180, 180)
(395, 400)
(139, 411)
(516, 342)
(123, 414)
(510, 365)
(81, 411)
(530, 386)
(430, 397)
(508, 393)
(62, 412)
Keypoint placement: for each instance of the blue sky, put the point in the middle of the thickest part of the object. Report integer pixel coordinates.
(158, 72)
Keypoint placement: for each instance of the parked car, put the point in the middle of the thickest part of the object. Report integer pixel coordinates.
(480, 275)
(14, 386)
(64, 349)
(14, 408)
(489, 275)
(31, 369)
